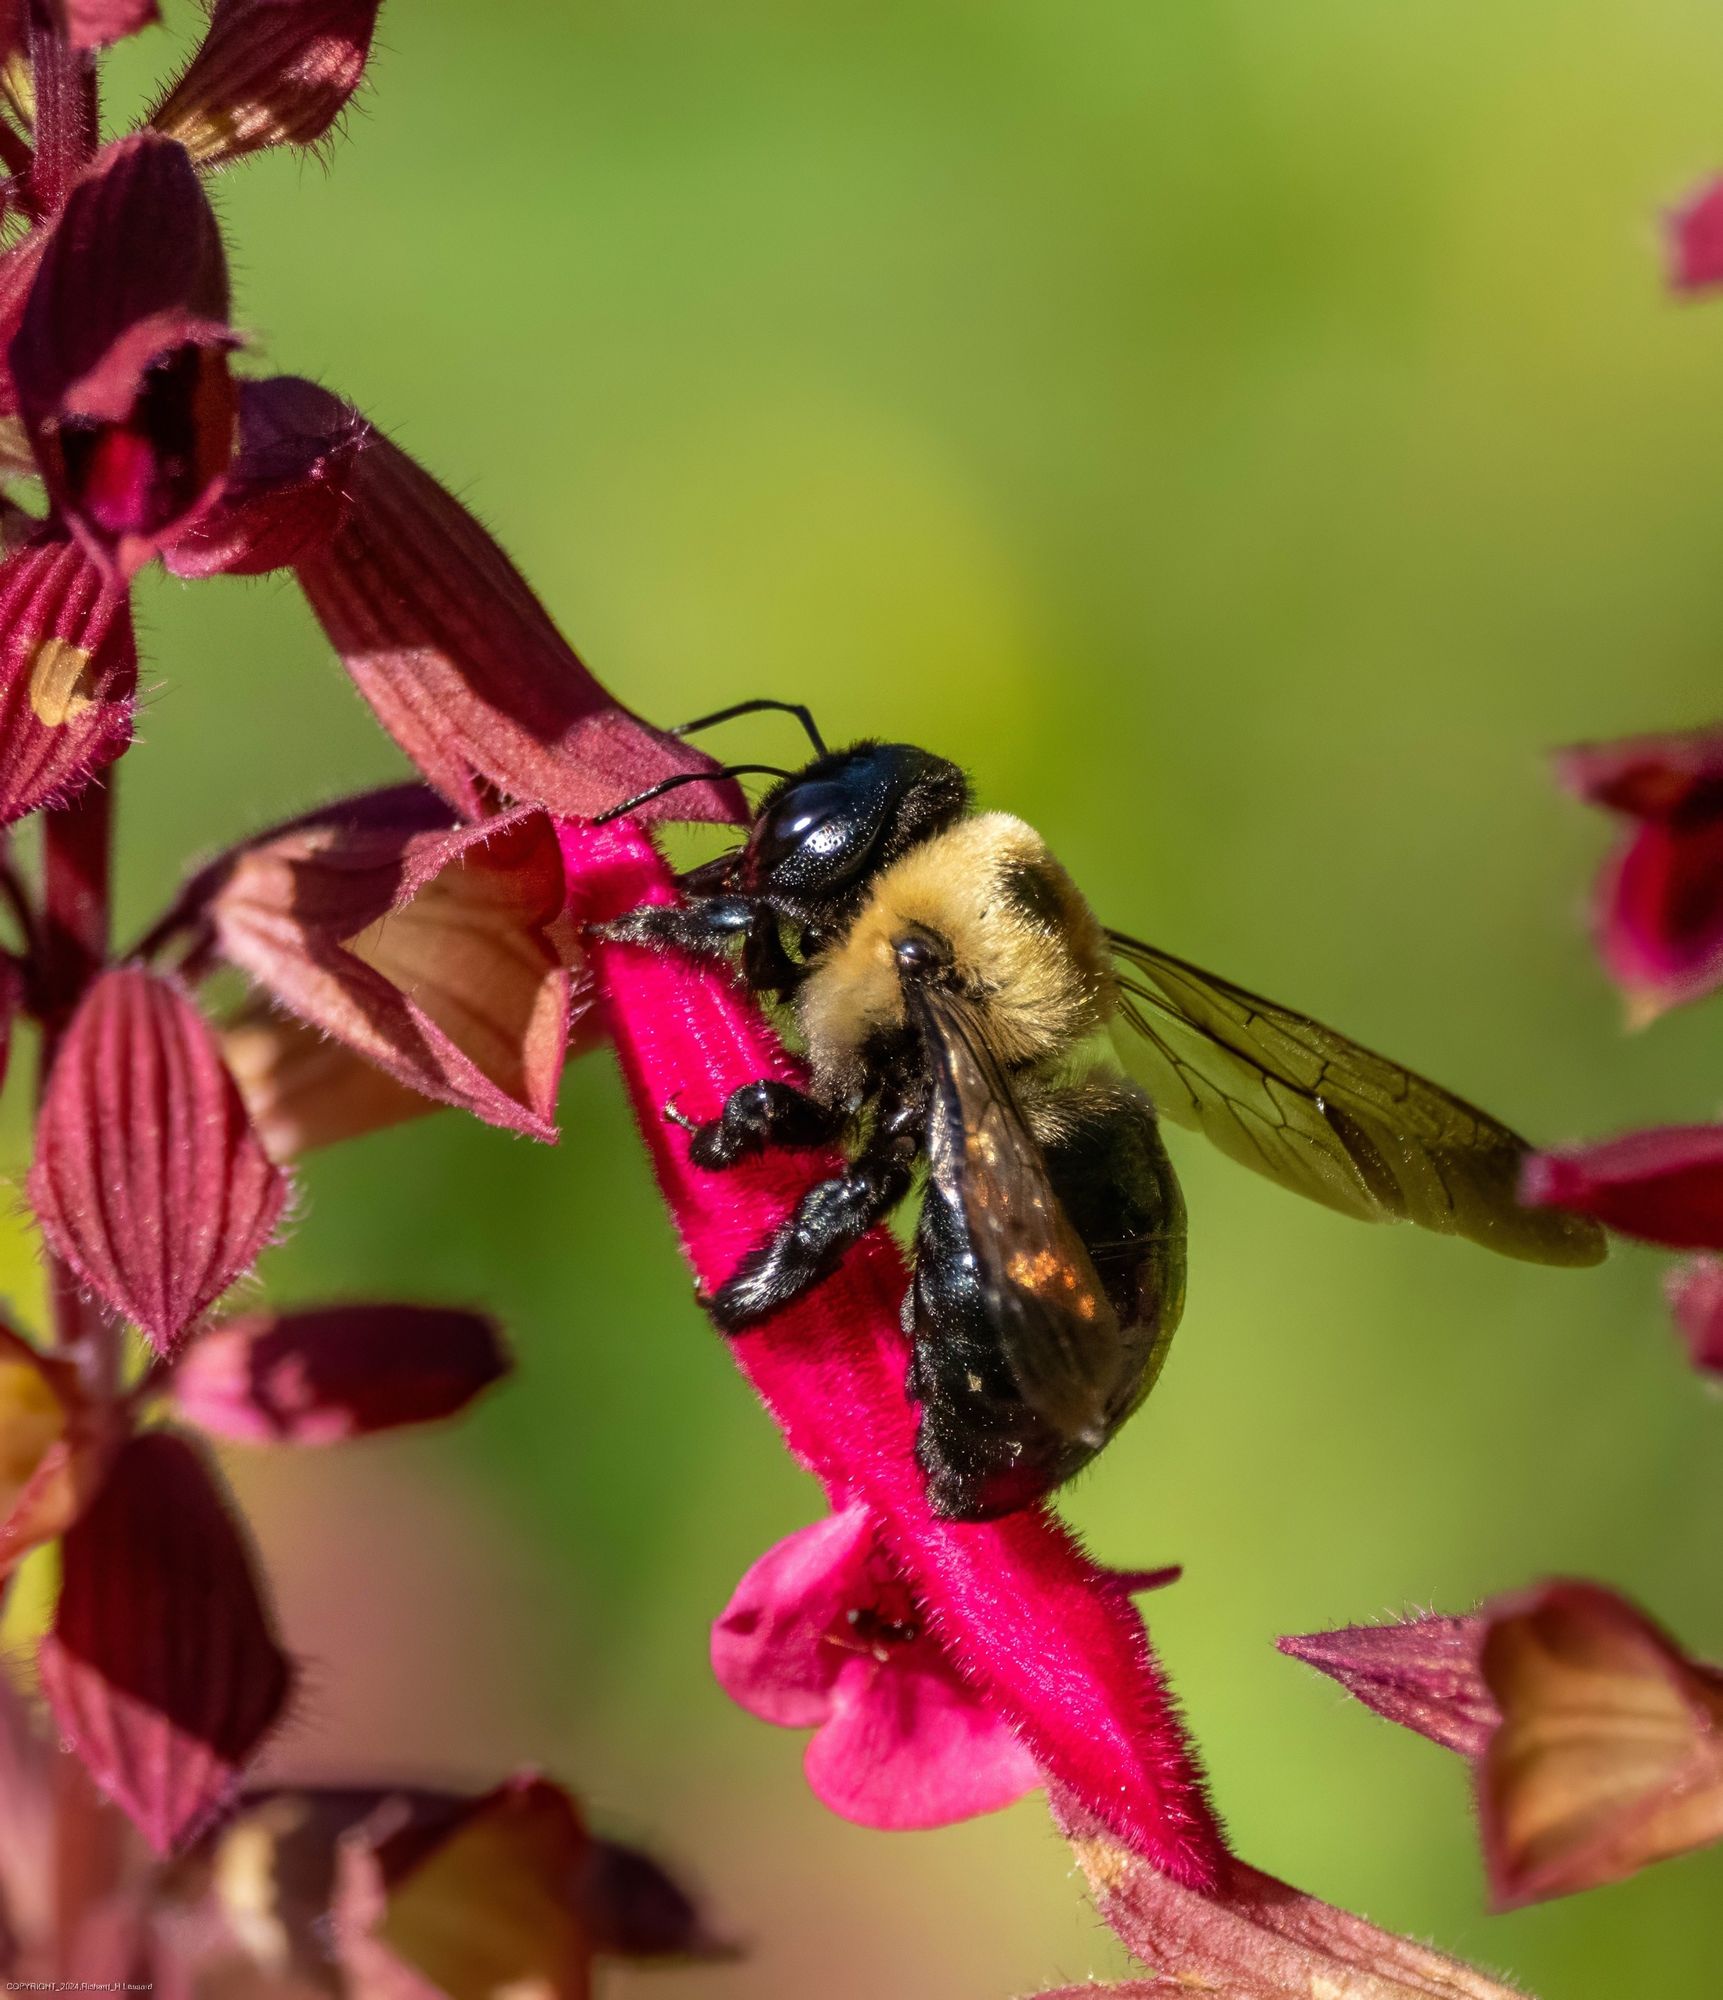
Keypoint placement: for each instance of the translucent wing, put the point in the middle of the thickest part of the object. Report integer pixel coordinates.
(1038, 1285)
(1291, 1099)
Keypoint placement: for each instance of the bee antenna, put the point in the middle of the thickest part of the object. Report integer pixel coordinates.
(795, 708)
(688, 778)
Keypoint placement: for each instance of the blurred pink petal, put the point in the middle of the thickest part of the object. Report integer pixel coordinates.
(148, 1178)
(1664, 1185)
(93, 24)
(322, 1375)
(1695, 240)
(1421, 1673)
(824, 1632)
(1695, 1294)
(162, 1669)
(1660, 900)
(1056, 1649)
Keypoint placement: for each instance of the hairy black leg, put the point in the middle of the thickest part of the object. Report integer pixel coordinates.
(829, 1219)
(766, 965)
(764, 1114)
(706, 928)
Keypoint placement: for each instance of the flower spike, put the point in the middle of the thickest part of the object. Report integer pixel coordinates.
(120, 361)
(148, 1179)
(162, 1670)
(268, 73)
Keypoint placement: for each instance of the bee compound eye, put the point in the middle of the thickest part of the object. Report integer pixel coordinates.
(915, 954)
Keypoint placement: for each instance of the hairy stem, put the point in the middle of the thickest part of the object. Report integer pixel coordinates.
(68, 119)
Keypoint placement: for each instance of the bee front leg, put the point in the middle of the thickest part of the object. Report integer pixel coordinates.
(810, 1243)
(764, 1114)
(705, 929)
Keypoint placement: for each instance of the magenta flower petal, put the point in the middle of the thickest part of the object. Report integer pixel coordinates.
(1421, 1673)
(68, 675)
(909, 1745)
(772, 1648)
(336, 1372)
(1660, 900)
(1695, 1294)
(822, 1632)
(1044, 1633)
(286, 491)
(162, 1670)
(464, 667)
(268, 73)
(148, 1178)
(1663, 1186)
(1694, 233)
(120, 360)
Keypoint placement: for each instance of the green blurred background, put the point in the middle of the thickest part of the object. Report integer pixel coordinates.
(1247, 437)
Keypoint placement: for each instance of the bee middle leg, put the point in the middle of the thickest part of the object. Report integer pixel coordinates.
(764, 1114)
(829, 1220)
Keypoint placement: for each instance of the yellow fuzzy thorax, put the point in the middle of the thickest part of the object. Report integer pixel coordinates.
(1025, 944)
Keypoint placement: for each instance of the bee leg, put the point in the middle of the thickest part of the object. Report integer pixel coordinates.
(764, 1114)
(704, 929)
(810, 1243)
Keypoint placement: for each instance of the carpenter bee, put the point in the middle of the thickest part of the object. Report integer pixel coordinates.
(948, 982)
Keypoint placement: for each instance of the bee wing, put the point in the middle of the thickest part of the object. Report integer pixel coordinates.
(1041, 1291)
(1316, 1113)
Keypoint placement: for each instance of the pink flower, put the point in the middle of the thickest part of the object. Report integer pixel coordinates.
(1660, 899)
(1695, 1294)
(1046, 1639)
(823, 1631)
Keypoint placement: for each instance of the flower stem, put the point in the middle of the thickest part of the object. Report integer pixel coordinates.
(68, 118)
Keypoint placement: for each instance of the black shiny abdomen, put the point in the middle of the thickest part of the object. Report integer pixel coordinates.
(983, 1449)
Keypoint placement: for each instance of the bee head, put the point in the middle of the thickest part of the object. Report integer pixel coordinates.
(822, 834)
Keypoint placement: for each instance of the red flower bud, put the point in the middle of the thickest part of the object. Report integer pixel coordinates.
(120, 361)
(68, 675)
(148, 1179)
(286, 491)
(1694, 234)
(1422, 1673)
(162, 1670)
(429, 950)
(93, 24)
(466, 670)
(268, 73)
(335, 1372)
